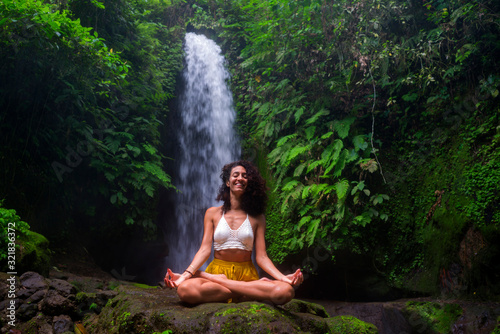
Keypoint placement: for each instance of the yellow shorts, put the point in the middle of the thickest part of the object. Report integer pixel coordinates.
(238, 271)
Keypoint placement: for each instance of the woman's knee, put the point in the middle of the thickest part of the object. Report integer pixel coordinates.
(282, 293)
(188, 293)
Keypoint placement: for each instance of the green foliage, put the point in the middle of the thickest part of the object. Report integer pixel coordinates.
(286, 68)
(481, 186)
(437, 317)
(22, 249)
(277, 234)
(87, 84)
(323, 87)
(11, 228)
(328, 93)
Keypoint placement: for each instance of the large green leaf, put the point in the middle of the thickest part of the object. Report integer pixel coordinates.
(342, 127)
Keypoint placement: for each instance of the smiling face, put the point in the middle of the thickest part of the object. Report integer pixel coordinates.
(237, 179)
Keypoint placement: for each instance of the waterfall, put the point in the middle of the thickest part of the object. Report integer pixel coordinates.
(207, 140)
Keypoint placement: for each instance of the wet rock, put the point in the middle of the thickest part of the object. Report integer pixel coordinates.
(393, 321)
(4, 288)
(33, 281)
(25, 293)
(45, 328)
(27, 311)
(39, 324)
(62, 287)
(6, 303)
(3, 304)
(37, 296)
(93, 302)
(61, 324)
(55, 304)
(349, 325)
(106, 295)
(300, 306)
(34, 253)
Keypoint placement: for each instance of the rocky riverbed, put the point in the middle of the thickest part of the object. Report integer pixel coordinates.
(66, 302)
(76, 304)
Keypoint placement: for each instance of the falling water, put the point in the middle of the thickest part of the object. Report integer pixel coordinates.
(207, 141)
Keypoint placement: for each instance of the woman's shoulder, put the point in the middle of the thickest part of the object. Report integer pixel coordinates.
(215, 210)
(260, 219)
(213, 214)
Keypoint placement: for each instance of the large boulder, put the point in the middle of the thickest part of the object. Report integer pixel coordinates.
(139, 310)
(33, 253)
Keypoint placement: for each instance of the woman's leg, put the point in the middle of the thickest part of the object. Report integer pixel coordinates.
(260, 290)
(200, 290)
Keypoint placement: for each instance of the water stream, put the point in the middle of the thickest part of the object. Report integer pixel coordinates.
(207, 141)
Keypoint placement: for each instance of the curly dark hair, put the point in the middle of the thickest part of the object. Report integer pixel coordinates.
(254, 199)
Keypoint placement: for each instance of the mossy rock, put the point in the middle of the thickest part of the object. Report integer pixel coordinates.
(33, 253)
(432, 317)
(144, 310)
(300, 306)
(497, 327)
(349, 325)
(422, 283)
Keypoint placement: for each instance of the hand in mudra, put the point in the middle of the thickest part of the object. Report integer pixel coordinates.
(294, 279)
(173, 280)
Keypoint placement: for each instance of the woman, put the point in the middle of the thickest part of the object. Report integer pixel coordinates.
(235, 229)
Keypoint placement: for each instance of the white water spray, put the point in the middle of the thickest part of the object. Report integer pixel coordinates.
(207, 141)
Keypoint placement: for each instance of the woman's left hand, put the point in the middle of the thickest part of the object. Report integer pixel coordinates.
(294, 279)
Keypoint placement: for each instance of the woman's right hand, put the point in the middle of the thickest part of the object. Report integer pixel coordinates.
(294, 279)
(173, 280)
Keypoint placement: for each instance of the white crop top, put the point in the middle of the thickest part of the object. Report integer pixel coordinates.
(226, 238)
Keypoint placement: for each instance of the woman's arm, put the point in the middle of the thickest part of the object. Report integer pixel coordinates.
(206, 243)
(264, 262)
(201, 256)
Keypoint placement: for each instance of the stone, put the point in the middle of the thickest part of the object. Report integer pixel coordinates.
(45, 328)
(392, 318)
(27, 311)
(300, 306)
(34, 253)
(62, 324)
(24, 293)
(55, 304)
(4, 303)
(4, 287)
(33, 280)
(37, 296)
(38, 324)
(62, 287)
(349, 325)
(92, 302)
